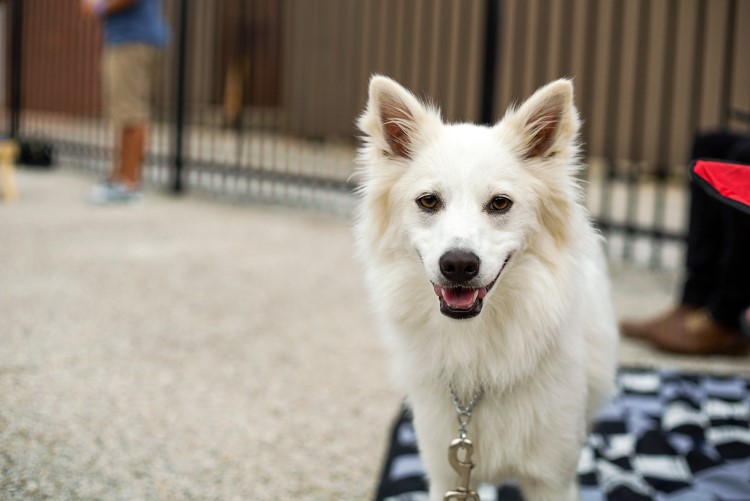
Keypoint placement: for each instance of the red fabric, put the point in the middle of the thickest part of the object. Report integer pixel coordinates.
(729, 180)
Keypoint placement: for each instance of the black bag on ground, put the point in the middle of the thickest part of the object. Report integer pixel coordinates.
(35, 153)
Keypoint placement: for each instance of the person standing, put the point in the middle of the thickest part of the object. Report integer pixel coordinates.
(712, 311)
(134, 34)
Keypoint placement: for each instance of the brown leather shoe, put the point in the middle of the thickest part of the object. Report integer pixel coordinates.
(648, 329)
(699, 334)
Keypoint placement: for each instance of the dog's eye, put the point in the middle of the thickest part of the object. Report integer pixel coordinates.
(429, 202)
(500, 204)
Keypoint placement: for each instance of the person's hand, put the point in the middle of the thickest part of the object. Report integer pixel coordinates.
(92, 8)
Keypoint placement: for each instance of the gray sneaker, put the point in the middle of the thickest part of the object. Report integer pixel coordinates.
(108, 193)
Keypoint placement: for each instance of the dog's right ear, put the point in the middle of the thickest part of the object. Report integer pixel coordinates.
(394, 119)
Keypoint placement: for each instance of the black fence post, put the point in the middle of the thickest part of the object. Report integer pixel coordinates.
(16, 41)
(489, 64)
(178, 185)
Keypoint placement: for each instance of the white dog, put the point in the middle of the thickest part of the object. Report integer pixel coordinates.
(490, 282)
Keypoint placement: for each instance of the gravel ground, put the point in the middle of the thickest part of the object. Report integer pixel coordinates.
(182, 349)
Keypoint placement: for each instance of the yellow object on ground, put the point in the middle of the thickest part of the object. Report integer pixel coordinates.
(8, 155)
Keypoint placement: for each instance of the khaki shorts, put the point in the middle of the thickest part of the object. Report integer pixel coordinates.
(128, 79)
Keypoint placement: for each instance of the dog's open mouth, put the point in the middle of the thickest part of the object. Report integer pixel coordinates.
(462, 302)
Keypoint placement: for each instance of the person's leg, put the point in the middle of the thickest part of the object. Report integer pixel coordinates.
(706, 246)
(732, 293)
(703, 247)
(138, 70)
(706, 228)
(111, 88)
(132, 154)
(115, 171)
(129, 71)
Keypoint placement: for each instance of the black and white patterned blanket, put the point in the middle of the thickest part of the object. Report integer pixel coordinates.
(667, 436)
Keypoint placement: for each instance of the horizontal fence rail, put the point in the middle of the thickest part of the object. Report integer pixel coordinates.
(256, 99)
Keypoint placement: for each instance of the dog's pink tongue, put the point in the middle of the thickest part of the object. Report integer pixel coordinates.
(459, 298)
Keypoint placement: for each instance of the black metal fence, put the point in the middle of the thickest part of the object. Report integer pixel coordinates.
(256, 99)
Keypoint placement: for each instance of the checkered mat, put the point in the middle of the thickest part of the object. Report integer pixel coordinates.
(667, 436)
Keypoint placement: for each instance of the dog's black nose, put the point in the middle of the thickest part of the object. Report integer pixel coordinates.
(459, 266)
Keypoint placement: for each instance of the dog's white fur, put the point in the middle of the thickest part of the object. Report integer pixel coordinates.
(544, 346)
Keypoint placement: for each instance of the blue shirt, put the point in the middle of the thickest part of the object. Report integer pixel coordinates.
(142, 23)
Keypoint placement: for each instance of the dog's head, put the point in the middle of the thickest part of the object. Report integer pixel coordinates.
(465, 199)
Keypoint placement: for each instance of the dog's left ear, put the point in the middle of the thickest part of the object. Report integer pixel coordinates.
(548, 120)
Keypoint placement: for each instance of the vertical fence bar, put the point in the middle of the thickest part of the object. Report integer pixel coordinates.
(16, 66)
(699, 58)
(418, 30)
(313, 155)
(198, 113)
(665, 133)
(543, 28)
(240, 169)
(454, 18)
(729, 42)
(612, 107)
(520, 50)
(489, 65)
(248, 139)
(276, 98)
(636, 160)
(178, 158)
(242, 55)
(217, 116)
(591, 46)
(565, 54)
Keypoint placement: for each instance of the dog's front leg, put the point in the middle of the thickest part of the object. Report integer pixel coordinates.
(535, 490)
(434, 455)
(440, 475)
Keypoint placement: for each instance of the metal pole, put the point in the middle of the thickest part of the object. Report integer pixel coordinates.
(16, 40)
(729, 44)
(487, 104)
(178, 160)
